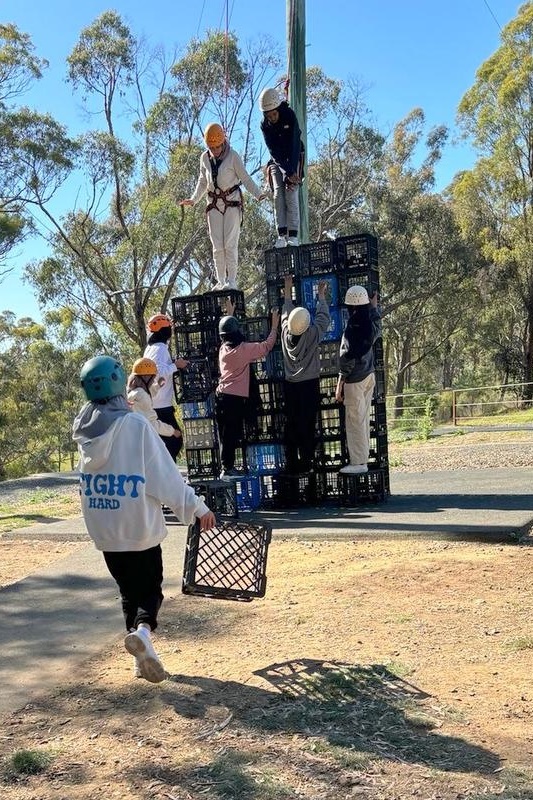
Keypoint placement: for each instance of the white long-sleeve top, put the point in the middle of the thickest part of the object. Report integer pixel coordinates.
(141, 401)
(126, 475)
(166, 367)
(231, 172)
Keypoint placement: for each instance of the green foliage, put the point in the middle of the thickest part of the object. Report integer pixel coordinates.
(26, 762)
(425, 425)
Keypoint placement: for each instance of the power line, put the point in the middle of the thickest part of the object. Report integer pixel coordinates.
(491, 12)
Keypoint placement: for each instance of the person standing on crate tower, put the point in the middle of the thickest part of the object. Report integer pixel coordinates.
(221, 174)
(232, 394)
(285, 170)
(159, 330)
(356, 381)
(125, 475)
(299, 341)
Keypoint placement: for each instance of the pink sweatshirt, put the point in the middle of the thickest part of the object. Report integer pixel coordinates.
(234, 364)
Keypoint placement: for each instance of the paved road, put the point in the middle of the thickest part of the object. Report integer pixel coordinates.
(67, 613)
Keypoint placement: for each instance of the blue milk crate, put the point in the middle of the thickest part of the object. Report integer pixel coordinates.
(248, 492)
(201, 409)
(309, 291)
(265, 458)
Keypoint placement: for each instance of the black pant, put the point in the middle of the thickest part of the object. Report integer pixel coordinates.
(302, 401)
(230, 410)
(172, 443)
(139, 575)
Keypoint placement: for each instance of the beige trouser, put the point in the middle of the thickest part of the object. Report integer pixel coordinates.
(357, 402)
(224, 232)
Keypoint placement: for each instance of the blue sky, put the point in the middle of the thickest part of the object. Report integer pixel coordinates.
(408, 53)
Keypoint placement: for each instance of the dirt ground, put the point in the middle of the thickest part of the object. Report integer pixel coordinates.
(376, 669)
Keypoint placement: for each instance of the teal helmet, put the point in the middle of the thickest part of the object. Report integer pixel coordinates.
(102, 377)
(228, 325)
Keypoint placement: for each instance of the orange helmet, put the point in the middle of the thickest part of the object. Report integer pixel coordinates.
(159, 321)
(214, 135)
(144, 366)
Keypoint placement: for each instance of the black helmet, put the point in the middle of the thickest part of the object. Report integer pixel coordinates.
(228, 326)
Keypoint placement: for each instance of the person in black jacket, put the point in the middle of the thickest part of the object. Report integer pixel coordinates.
(355, 385)
(282, 137)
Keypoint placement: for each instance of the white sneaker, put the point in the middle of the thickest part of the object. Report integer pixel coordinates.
(354, 469)
(292, 241)
(281, 241)
(217, 287)
(231, 285)
(139, 644)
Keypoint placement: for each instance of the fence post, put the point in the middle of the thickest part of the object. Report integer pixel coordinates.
(454, 408)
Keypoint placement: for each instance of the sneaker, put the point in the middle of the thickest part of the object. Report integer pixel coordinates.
(217, 287)
(139, 644)
(354, 469)
(281, 241)
(231, 285)
(292, 241)
(136, 668)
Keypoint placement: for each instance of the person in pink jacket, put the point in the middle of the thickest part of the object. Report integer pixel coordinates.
(233, 389)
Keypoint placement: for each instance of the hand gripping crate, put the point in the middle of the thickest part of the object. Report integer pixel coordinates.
(227, 562)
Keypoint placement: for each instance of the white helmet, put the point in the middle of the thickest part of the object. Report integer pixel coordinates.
(299, 321)
(269, 100)
(356, 296)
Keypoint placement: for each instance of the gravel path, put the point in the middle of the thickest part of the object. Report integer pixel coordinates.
(485, 455)
(11, 490)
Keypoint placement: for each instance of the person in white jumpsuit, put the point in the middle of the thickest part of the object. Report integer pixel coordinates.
(221, 174)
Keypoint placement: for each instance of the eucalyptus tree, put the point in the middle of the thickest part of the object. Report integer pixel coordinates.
(127, 246)
(494, 200)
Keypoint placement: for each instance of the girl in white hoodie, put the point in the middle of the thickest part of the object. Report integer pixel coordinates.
(126, 475)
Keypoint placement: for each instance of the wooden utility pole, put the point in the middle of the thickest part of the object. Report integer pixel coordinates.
(297, 93)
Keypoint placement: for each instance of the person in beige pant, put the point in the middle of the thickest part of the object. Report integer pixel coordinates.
(355, 385)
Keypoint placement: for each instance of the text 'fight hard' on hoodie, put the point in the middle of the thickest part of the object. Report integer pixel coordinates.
(126, 475)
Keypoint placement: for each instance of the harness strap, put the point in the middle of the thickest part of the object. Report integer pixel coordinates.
(222, 194)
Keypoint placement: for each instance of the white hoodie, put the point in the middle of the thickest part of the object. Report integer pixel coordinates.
(126, 474)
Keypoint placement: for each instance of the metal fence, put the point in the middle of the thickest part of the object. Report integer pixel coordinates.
(458, 406)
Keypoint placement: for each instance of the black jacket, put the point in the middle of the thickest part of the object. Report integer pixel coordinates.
(283, 140)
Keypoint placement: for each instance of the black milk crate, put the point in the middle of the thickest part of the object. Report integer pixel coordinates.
(198, 409)
(331, 453)
(378, 414)
(328, 353)
(381, 384)
(358, 250)
(368, 487)
(200, 433)
(272, 394)
(202, 462)
(188, 311)
(317, 257)
(265, 458)
(327, 484)
(282, 261)
(368, 278)
(268, 494)
(240, 458)
(331, 422)
(194, 382)
(266, 428)
(271, 366)
(294, 491)
(228, 562)
(215, 305)
(257, 328)
(212, 360)
(220, 496)
(190, 343)
(327, 388)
